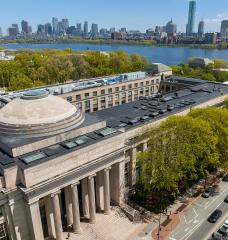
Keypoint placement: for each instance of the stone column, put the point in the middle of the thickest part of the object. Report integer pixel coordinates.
(68, 206)
(34, 220)
(75, 206)
(106, 191)
(9, 219)
(117, 184)
(99, 191)
(57, 215)
(85, 197)
(92, 206)
(133, 155)
(49, 216)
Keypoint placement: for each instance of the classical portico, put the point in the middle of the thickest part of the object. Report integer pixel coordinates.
(75, 208)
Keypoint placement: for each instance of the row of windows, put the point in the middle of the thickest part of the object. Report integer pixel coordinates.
(116, 89)
(79, 97)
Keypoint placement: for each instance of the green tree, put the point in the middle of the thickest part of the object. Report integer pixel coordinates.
(19, 82)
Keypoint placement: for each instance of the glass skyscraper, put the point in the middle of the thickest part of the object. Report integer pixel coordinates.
(191, 18)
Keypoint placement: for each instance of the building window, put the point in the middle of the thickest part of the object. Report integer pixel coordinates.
(78, 97)
(141, 92)
(102, 92)
(69, 99)
(86, 95)
(152, 89)
(147, 83)
(141, 84)
(110, 90)
(136, 85)
(123, 88)
(147, 91)
(87, 106)
(157, 81)
(95, 93)
(130, 86)
(152, 82)
(117, 89)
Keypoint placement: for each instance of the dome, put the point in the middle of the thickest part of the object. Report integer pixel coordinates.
(37, 112)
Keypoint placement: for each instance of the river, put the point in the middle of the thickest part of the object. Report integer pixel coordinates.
(166, 55)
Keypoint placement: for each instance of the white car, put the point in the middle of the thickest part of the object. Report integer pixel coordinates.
(224, 228)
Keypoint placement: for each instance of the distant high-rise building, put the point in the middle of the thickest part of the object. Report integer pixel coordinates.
(79, 28)
(60, 28)
(112, 30)
(123, 30)
(24, 27)
(12, 32)
(171, 28)
(191, 18)
(17, 28)
(86, 28)
(210, 38)
(65, 23)
(201, 28)
(0, 32)
(103, 31)
(55, 25)
(40, 30)
(48, 29)
(224, 29)
(30, 30)
(94, 30)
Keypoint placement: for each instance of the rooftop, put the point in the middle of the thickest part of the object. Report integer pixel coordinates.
(118, 119)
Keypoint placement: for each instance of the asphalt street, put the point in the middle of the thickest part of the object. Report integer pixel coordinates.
(194, 224)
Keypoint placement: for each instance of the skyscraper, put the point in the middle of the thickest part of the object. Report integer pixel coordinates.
(94, 30)
(171, 28)
(201, 28)
(24, 27)
(17, 28)
(0, 32)
(55, 25)
(48, 29)
(86, 28)
(191, 18)
(224, 29)
(65, 23)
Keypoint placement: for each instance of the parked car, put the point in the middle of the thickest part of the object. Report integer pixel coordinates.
(208, 192)
(225, 178)
(215, 216)
(224, 228)
(216, 236)
(226, 199)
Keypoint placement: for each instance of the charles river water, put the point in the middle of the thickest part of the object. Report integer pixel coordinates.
(166, 55)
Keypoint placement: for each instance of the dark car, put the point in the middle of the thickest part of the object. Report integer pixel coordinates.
(224, 228)
(216, 236)
(226, 199)
(225, 178)
(215, 216)
(208, 192)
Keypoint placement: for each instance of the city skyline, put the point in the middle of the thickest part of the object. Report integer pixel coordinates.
(99, 12)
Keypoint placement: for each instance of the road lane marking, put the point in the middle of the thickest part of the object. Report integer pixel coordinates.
(195, 212)
(196, 227)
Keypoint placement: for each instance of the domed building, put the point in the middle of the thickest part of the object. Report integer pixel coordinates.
(171, 28)
(59, 167)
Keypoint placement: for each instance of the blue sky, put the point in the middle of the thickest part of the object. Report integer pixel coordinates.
(133, 14)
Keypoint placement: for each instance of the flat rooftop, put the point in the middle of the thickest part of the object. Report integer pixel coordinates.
(127, 116)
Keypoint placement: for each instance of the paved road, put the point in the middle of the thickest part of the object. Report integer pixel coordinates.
(194, 225)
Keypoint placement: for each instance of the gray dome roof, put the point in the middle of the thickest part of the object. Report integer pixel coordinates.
(36, 112)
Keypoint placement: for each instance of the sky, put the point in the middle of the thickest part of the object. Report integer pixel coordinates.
(132, 14)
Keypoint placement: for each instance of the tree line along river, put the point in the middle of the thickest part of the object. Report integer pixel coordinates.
(166, 55)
